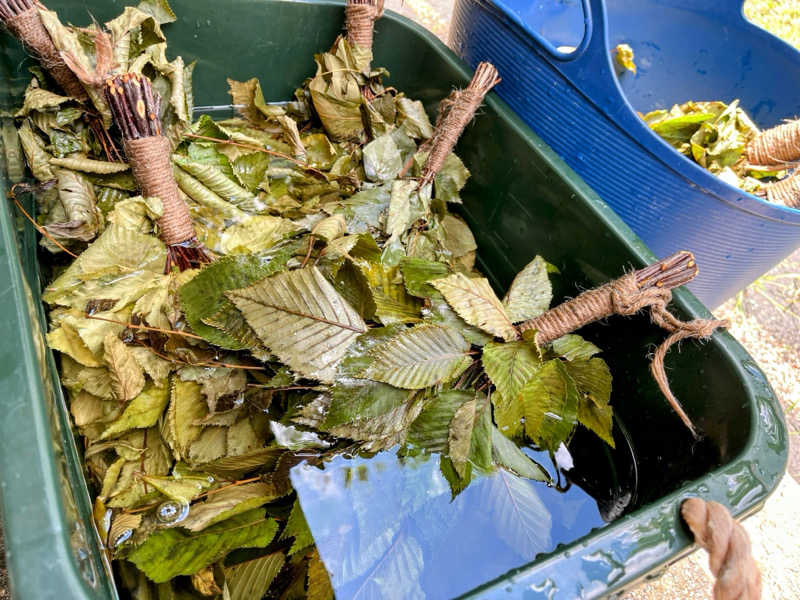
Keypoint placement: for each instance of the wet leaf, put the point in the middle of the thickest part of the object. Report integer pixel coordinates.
(227, 502)
(141, 412)
(187, 406)
(574, 348)
(459, 438)
(418, 274)
(127, 377)
(302, 319)
(336, 93)
(251, 579)
(204, 296)
(319, 581)
(530, 292)
(160, 10)
(413, 118)
(506, 454)
(37, 158)
(214, 179)
(66, 339)
(432, 428)
(88, 165)
(382, 159)
(171, 552)
(451, 179)
(251, 170)
(550, 405)
(330, 228)
(419, 357)
(255, 234)
(297, 528)
(510, 366)
(476, 303)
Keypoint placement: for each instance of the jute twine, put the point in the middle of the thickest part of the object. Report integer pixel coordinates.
(729, 554)
(627, 296)
(149, 158)
(455, 113)
(776, 146)
(359, 19)
(786, 191)
(28, 28)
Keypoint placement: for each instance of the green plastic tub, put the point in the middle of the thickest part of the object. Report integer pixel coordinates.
(522, 200)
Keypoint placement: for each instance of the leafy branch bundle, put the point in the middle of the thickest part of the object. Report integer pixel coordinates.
(724, 140)
(343, 314)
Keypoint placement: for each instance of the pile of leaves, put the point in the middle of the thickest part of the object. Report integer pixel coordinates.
(715, 135)
(343, 315)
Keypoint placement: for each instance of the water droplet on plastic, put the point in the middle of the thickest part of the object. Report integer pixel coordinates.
(172, 512)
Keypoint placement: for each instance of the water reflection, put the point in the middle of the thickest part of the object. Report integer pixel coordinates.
(388, 526)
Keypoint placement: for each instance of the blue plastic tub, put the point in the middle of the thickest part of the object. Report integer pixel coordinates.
(685, 50)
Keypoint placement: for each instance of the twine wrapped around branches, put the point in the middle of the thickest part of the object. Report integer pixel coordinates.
(729, 553)
(455, 113)
(786, 191)
(359, 19)
(646, 288)
(22, 19)
(136, 110)
(776, 147)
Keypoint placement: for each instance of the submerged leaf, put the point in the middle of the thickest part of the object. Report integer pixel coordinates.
(171, 552)
(251, 579)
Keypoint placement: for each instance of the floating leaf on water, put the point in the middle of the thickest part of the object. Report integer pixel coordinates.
(506, 454)
(549, 403)
(510, 366)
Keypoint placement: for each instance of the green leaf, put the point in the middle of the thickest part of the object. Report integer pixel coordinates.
(593, 381)
(214, 179)
(142, 412)
(382, 159)
(39, 99)
(302, 319)
(187, 406)
(171, 552)
(159, 9)
(413, 118)
(204, 295)
(127, 378)
(451, 179)
(458, 238)
(510, 366)
(297, 528)
(459, 438)
(118, 251)
(88, 165)
(251, 579)
(202, 195)
(530, 292)
(330, 228)
(35, 155)
(319, 581)
(521, 519)
(419, 357)
(228, 502)
(550, 405)
(256, 234)
(392, 303)
(476, 303)
(336, 94)
(182, 489)
(506, 454)
(418, 274)
(431, 429)
(251, 170)
(574, 348)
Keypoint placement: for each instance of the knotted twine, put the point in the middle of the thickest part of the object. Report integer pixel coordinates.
(359, 19)
(729, 553)
(28, 28)
(775, 147)
(626, 296)
(151, 166)
(455, 113)
(786, 191)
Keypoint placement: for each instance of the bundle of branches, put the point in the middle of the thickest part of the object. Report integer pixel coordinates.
(343, 316)
(724, 140)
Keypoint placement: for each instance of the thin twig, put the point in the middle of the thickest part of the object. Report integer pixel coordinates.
(38, 227)
(146, 327)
